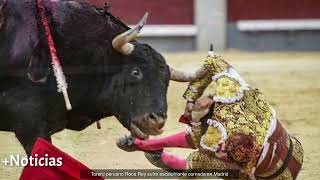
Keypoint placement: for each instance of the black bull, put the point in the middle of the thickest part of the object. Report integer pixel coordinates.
(108, 72)
(102, 80)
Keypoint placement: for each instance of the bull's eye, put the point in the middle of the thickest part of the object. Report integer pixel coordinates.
(136, 73)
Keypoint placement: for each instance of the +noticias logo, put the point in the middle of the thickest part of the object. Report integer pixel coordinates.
(5, 161)
(35, 160)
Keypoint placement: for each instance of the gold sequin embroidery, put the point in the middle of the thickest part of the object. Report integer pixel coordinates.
(249, 117)
(214, 65)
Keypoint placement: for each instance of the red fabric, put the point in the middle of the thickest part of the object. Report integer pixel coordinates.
(44, 20)
(185, 119)
(70, 168)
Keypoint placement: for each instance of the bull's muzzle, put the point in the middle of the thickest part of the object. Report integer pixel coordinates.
(148, 124)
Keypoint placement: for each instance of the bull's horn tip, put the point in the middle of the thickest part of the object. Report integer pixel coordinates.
(145, 17)
(142, 22)
(146, 14)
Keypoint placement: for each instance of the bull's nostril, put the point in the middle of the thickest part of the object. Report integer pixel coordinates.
(153, 116)
(165, 116)
(158, 120)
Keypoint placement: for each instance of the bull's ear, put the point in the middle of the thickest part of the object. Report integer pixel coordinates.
(39, 63)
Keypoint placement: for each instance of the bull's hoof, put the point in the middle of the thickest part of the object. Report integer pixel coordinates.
(127, 144)
(155, 159)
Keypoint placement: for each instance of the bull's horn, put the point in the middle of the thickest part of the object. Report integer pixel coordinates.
(180, 76)
(121, 43)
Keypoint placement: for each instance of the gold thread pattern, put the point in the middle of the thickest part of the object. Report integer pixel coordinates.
(213, 65)
(246, 123)
(246, 120)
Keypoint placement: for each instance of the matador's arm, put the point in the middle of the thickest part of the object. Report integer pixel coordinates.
(213, 65)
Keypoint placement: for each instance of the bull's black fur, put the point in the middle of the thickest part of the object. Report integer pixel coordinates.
(1, 14)
(101, 81)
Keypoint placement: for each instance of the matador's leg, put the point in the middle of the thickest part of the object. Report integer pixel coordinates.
(166, 161)
(195, 161)
(294, 163)
(200, 161)
(180, 140)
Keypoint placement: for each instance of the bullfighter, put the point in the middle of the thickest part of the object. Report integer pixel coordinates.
(235, 128)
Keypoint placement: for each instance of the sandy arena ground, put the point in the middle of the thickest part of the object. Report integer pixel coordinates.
(290, 81)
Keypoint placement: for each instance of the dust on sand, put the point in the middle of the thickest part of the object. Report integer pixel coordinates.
(289, 80)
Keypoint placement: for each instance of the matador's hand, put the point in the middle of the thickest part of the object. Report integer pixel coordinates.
(188, 109)
(201, 108)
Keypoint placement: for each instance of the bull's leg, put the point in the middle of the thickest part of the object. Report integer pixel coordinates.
(181, 140)
(27, 112)
(28, 130)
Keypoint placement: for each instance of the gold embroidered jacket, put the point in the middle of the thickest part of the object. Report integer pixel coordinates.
(241, 114)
